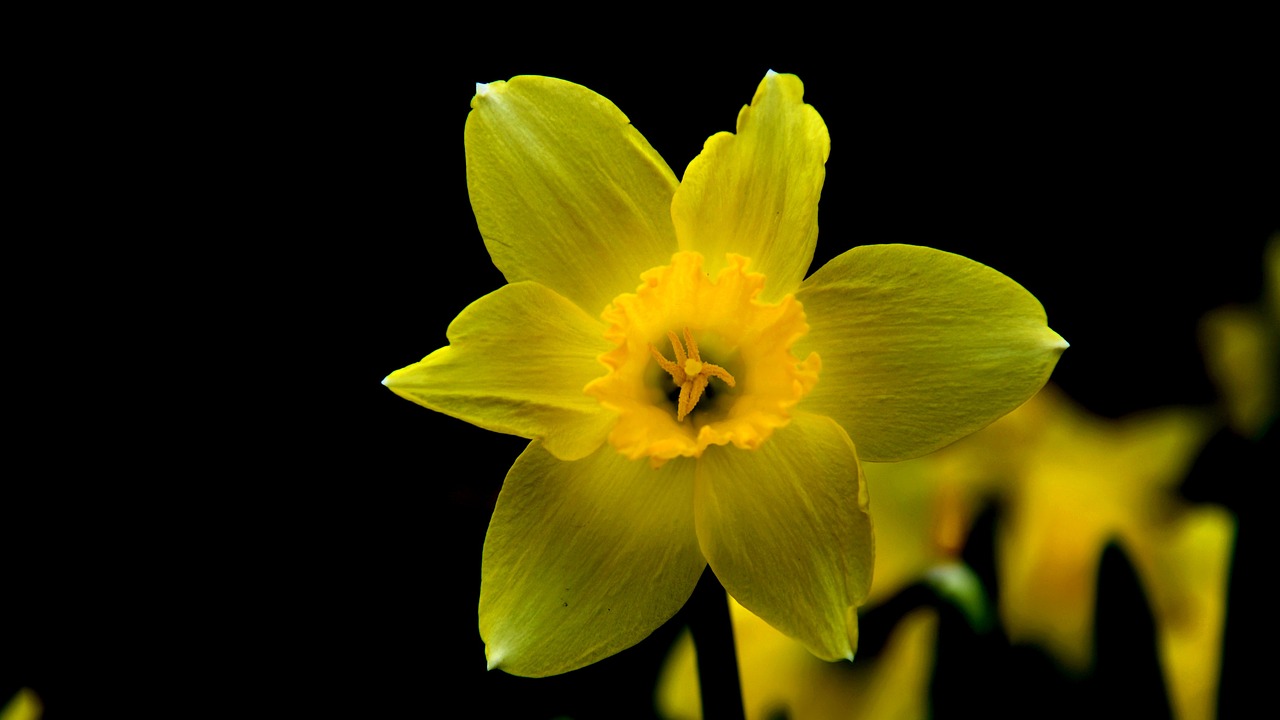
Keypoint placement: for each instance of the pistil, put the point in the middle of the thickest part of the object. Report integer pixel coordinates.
(689, 372)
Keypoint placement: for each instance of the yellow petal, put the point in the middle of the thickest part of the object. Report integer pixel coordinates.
(584, 559)
(565, 191)
(755, 193)
(786, 530)
(1188, 581)
(517, 363)
(912, 511)
(920, 347)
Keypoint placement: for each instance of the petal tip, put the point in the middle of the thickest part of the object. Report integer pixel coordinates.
(1058, 342)
(482, 89)
(493, 659)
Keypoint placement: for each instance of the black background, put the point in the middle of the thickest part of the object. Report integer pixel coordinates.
(272, 531)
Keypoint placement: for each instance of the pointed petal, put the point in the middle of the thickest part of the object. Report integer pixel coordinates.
(517, 362)
(584, 559)
(920, 347)
(756, 192)
(787, 531)
(565, 191)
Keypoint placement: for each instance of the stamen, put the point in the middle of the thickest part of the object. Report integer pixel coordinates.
(689, 372)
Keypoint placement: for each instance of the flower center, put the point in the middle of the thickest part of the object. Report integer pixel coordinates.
(689, 372)
(729, 337)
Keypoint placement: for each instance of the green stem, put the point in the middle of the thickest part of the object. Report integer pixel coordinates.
(708, 613)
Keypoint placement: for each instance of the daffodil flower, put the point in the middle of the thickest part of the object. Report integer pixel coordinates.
(606, 521)
(1071, 482)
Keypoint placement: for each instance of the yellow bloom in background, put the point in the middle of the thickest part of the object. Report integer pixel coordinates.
(25, 705)
(1081, 481)
(1241, 346)
(692, 398)
(781, 679)
(1069, 482)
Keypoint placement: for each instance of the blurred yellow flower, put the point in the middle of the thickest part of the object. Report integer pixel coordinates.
(1241, 346)
(1078, 482)
(1069, 483)
(25, 705)
(781, 679)
(708, 415)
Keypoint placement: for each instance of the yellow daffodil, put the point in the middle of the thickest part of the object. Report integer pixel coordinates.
(25, 705)
(1081, 481)
(692, 398)
(1071, 482)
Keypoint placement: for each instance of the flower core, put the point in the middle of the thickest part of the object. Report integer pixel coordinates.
(690, 373)
(729, 334)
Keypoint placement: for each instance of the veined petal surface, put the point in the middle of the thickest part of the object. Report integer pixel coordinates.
(565, 191)
(787, 531)
(517, 362)
(755, 193)
(920, 347)
(584, 559)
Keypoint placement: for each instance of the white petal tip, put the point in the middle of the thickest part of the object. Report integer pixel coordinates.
(770, 73)
(494, 659)
(482, 89)
(385, 379)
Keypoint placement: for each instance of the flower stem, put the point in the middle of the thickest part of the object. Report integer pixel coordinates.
(708, 613)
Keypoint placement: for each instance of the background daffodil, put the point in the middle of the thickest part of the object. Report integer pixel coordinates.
(1069, 483)
(25, 705)
(1241, 345)
(632, 483)
(780, 679)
